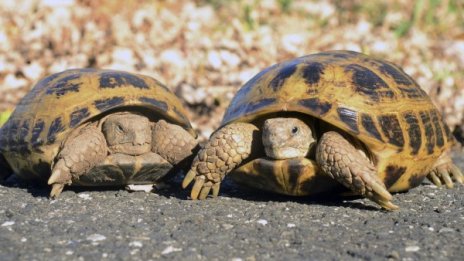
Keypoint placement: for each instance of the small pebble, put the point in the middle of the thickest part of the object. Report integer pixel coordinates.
(84, 196)
(96, 237)
(8, 223)
(412, 249)
(170, 249)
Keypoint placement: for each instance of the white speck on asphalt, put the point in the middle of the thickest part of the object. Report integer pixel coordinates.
(8, 223)
(227, 226)
(445, 229)
(96, 237)
(291, 225)
(23, 239)
(69, 252)
(412, 249)
(236, 259)
(84, 196)
(262, 222)
(135, 244)
(170, 249)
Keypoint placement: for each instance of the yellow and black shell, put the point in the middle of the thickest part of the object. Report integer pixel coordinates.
(373, 100)
(61, 102)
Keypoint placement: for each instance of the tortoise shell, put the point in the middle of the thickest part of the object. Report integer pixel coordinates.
(61, 102)
(372, 100)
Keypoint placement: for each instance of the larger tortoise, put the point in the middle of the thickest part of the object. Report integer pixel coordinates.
(307, 125)
(93, 127)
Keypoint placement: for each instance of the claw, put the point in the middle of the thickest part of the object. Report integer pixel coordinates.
(55, 177)
(444, 174)
(457, 174)
(433, 177)
(388, 205)
(57, 188)
(60, 174)
(197, 187)
(381, 191)
(188, 178)
(204, 191)
(216, 187)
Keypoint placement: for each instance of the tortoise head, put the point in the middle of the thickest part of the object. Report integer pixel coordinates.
(127, 133)
(286, 138)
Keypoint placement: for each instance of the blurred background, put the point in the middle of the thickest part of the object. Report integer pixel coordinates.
(204, 50)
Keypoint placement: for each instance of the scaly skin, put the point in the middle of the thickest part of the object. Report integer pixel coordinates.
(172, 142)
(225, 150)
(79, 155)
(339, 159)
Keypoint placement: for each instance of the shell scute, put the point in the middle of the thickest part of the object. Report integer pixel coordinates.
(391, 128)
(429, 132)
(36, 141)
(284, 73)
(393, 174)
(312, 73)
(368, 82)
(369, 125)
(55, 128)
(120, 79)
(107, 104)
(349, 117)
(71, 83)
(414, 132)
(157, 103)
(77, 117)
(315, 105)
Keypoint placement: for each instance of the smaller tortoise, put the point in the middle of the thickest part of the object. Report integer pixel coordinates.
(93, 127)
(307, 125)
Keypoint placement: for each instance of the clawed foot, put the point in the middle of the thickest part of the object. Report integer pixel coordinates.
(202, 185)
(376, 191)
(445, 173)
(59, 178)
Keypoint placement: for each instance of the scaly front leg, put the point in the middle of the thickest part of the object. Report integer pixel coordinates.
(340, 160)
(78, 155)
(226, 149)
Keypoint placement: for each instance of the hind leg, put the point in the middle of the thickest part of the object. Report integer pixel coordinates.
(445, 171)
(78, 155)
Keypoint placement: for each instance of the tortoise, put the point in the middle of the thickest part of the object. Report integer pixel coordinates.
(91, 127)
(328, 122)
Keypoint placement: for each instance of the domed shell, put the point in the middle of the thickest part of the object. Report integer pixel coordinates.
(371, 99)
(63, 101)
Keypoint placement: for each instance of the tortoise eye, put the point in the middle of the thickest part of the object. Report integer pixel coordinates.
(295, 130)
(119, 128)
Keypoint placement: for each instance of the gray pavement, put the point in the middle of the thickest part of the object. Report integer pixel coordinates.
(239, 225)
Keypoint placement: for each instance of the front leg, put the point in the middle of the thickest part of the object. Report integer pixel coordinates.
(226, 149)
(339, 159)
(172, 142)
(78, 155)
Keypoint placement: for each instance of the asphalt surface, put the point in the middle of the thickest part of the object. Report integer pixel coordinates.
(239, 225)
